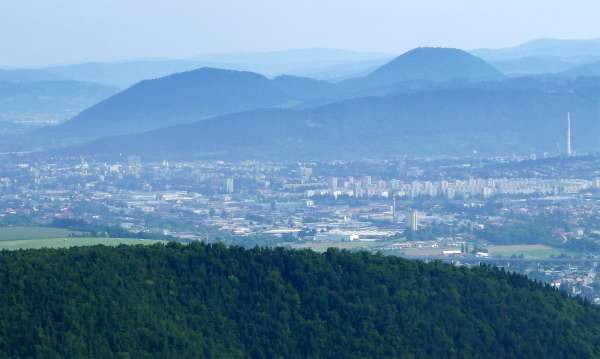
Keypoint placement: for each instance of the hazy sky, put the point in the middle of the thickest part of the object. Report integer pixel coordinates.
(38, 32)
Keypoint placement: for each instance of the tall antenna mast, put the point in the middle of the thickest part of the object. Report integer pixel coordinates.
(569, 149)
(394, 208)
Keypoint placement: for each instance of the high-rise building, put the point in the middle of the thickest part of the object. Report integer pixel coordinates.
(306, 172)
(569, 149)
(414, 220)
(401, 167)
(229, 185)
(366, 181)
(333, 184)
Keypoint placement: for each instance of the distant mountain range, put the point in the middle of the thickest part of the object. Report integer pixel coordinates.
(429, 64)
(199, 94)
(123, 74)
(533, 57)
(464, 121)
(28, 75)
(562, 48)
(180, 98)
(35, 98)
(330, 64)
(590, 69)
(348, 74)
(326, 64)
(427, 101)
(41, 102)
(542, 56)
(318, 63)
(540, 65)
(304, 88)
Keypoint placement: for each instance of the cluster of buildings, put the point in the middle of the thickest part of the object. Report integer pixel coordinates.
(299, 200)
(431, 208)
(472, 187)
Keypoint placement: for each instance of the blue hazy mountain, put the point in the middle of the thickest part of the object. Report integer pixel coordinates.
(28, 75)
(542, 56)
(319, 63)
(586, 70)
(123, 74)
(175, 99)
(562, 48)
(304, 88)
(32, 98)
(42, 102)
(539, 65)
(418, 68)
(417, 112)
(199, 94)
(428, 64)
(521, 116)
(330, 64)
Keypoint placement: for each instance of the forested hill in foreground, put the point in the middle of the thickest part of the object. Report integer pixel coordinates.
(196, 301)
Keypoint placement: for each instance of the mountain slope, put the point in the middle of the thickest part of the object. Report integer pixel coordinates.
(42, 102)
(28, 75)
(305, 89)
(518, 116)
(123, 74)
(198, 94)
(537, 65)
(319, 63)
(587, 70)
(180, 98)
(429, 64)
(211, 301)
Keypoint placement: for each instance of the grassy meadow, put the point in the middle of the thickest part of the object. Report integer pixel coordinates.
(48, 237)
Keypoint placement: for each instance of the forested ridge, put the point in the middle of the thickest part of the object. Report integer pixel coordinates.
(188, 301)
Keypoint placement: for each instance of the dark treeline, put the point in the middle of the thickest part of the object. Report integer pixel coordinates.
(211, 301)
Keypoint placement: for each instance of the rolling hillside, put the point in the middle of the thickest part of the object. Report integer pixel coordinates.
(28, 75)
(429, 101)
(490, 120)
(42, 102)
(586, 70)
(167, 101)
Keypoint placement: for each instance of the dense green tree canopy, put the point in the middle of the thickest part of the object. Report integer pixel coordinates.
(200, 300)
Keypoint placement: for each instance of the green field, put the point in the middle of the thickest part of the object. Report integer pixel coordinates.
(23, 233)
(49, 237)
(72, 242)
(529, 251)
